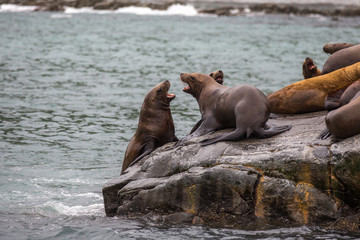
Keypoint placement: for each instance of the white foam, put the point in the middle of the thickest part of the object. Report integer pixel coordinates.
(16, 8)
(91, 210)
(59, 16)
(175, 9)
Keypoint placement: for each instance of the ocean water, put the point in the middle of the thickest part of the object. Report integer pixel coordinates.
(72, 85)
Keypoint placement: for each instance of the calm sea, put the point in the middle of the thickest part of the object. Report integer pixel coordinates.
(72, 85)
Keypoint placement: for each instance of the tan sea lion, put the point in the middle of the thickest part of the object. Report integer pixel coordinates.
(334, 47)
(310, 69)
(308, 95)
(344, 122)
(155, 128)
(243, 107)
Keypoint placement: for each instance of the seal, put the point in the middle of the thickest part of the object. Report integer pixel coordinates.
(243, 107)
(310, 70)
(155, 128)
(309, 95)
(342, 58)
(218, 76)
(344, 122)
(334, 47)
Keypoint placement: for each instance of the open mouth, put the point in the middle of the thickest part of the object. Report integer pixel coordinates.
(311, 65)
(219, 80)
(170, 96)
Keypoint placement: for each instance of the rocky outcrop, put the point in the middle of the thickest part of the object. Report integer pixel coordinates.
(220, 8)
(289, 180)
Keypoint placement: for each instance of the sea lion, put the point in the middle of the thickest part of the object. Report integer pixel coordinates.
(344, 122)
(334, 47)
(308, 95)
(343, 55)
(243, 107)
(310, 69)
(218, 76)
(342, 58)
(155, 128)
(342, 97)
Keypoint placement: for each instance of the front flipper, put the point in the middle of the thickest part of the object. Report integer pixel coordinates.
(147, 149)
(324, 134)
(273, 130)
(205, 127)
(237, 134)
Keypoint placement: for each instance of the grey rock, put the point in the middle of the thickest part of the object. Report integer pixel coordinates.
(291, 179)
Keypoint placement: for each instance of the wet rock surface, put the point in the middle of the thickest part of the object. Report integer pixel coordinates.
(291, 179)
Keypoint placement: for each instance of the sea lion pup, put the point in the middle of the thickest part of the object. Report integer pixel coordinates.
(310, 70)
(309, 95)
(218, 76)
(243, 107)
(344, 122)
(155, 128)
(334, 47)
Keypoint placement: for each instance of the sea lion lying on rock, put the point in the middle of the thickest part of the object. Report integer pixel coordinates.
(155, 128)
(343, 55)
(344, 122)
(339, 123)
(243, 107)
(309, 95)
(334, 47)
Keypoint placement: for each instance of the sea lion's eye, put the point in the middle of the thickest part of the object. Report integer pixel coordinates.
(192, 78)
(159, 90)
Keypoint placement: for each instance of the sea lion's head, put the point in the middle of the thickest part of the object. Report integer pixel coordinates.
(309, 69)
(195, 82)
(218, 76)
(159, 96)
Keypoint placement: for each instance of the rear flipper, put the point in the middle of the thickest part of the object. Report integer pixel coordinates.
(237, 134)
(324, 134)
(272, 131)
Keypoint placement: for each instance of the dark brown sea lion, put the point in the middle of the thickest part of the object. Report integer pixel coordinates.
(344, 122)
(218, 76)
(310, 70)
(155, 128)
(243, 107)
(342, 58)
(334, 47)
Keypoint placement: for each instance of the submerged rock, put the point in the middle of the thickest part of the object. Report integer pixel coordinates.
(289, 180)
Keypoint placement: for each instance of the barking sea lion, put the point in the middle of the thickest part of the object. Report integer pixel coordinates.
(310, 70)
(155, 128)
(243, 107)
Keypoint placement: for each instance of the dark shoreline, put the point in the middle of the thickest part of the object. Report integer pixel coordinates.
(221, 8)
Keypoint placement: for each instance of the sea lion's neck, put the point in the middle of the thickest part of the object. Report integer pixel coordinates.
(209, 94)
